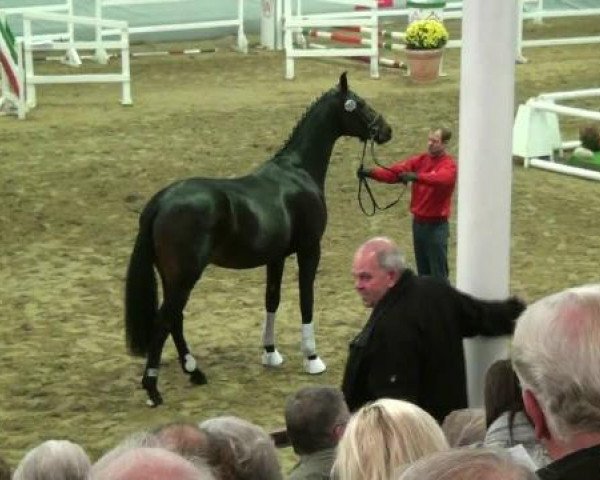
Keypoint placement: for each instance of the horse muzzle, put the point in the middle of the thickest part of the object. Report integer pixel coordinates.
(382, 133)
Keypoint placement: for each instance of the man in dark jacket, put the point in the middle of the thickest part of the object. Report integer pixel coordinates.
(556, 354)
(412, 345)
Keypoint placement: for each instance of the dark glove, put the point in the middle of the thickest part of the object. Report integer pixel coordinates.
(407, 177)
(362, 172)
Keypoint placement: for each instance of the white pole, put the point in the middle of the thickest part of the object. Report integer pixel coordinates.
(288, 40)
(125, 69)
(30, 93)
(566, 169)
(484, 179)
(101, 55)
(21, 106)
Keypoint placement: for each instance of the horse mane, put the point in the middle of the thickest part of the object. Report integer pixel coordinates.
(308, 111)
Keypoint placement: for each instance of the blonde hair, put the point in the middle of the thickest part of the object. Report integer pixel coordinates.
(383, 438)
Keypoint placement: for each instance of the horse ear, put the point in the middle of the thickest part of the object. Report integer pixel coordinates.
(343, 83)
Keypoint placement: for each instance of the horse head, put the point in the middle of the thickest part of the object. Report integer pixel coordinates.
(359, 119)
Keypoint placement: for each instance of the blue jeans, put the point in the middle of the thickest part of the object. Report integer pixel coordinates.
(430, 241)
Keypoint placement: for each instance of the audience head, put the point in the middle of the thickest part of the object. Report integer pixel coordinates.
(468, 464)
(315, 418)
(54, 460)
(149, 463)
(502, 392)
(556, 353)
(184, 438)
(253, 452)
(383, 437)
(377, 266)
(464, 427)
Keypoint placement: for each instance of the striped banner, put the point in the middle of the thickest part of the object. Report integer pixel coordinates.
(8, 59)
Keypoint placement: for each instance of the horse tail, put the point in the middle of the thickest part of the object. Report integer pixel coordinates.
(141, 295)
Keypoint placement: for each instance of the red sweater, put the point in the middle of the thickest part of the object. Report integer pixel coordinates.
(432, 191)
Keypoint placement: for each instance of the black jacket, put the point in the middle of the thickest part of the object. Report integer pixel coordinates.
(411, 347)
(581, 465)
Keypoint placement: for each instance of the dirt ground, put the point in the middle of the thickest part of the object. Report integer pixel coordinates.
(75, 173)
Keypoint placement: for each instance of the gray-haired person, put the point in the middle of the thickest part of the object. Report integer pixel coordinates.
(254, 455)
(556, 354)
(54, 460)
(468, 464)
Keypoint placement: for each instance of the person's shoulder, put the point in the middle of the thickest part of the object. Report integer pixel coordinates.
(449, 158)
(427, 283)
(302, 471)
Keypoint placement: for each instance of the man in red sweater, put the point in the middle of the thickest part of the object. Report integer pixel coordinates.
(433, 177)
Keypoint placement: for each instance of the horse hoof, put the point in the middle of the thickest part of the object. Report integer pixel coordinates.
(154, 399)
(314, 366)
(272, 359)
(198, 378)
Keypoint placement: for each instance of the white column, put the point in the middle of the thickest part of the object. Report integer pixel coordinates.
(489, 37)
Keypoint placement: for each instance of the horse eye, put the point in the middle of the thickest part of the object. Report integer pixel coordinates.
(350, 105)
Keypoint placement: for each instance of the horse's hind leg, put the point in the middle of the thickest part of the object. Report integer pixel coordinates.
(170, 320)
(150, 378)
(186, 359)
(308, 261)
(271, 357)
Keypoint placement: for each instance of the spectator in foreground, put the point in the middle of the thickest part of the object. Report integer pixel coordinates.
(465, 427)
(315, 419)
(254, 455)
(507, 423)
(383, 438)
(468, 464)
(556, 354)
(149, 463)
(54, 460)
(190, 441)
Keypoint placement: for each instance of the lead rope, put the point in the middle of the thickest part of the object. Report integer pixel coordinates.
(363, 183)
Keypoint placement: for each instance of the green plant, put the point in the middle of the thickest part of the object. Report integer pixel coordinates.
(426, 34)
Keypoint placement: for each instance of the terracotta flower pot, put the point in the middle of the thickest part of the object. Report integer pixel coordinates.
(424, 65)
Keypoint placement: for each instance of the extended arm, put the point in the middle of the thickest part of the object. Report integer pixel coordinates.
(488, 317)
(392, 173)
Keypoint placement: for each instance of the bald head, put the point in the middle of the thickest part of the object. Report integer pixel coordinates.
(377, 246)
(184, 438)
(145, 463)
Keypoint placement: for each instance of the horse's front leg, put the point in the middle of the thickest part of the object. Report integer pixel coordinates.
(271, 357)
(308, 261)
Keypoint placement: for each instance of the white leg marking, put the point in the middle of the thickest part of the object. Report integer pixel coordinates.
(309, 346)
(190, 363)
(268, 336)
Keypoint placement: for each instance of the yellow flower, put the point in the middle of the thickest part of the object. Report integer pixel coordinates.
(426, 34)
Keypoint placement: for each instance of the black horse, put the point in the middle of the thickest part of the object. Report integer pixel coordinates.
(255, 220)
